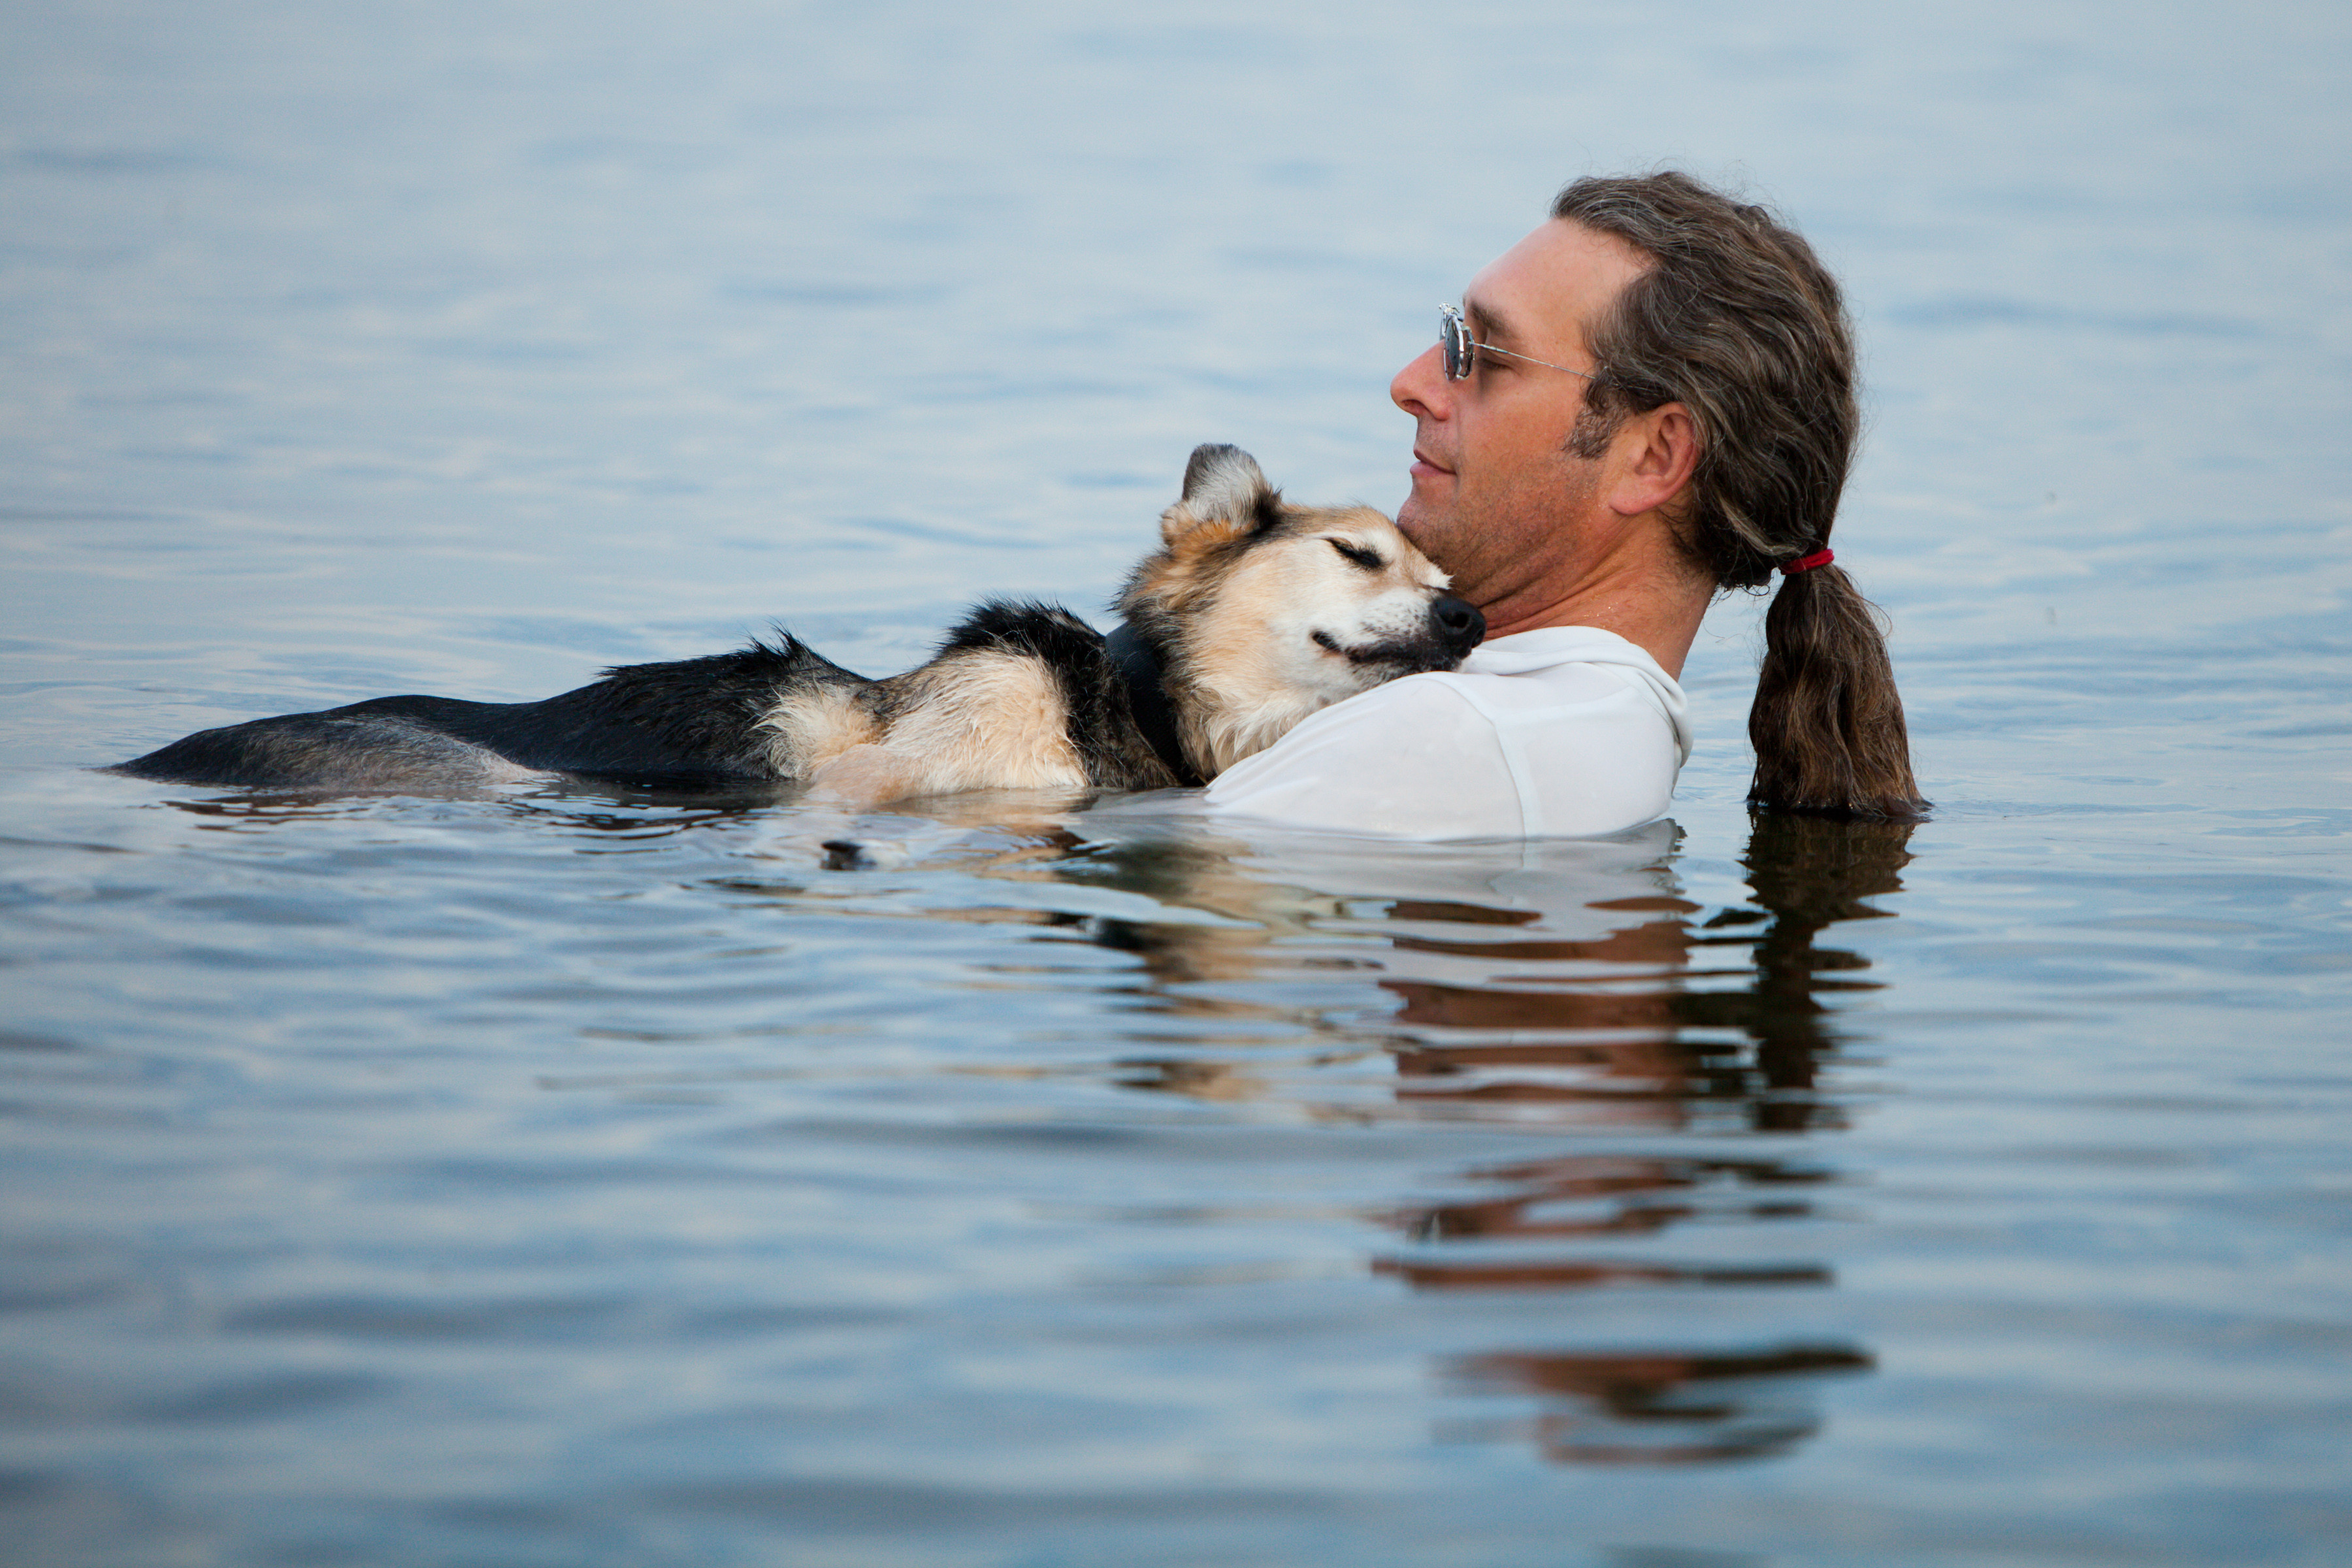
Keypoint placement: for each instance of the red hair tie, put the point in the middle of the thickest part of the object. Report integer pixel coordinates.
(1821, 557)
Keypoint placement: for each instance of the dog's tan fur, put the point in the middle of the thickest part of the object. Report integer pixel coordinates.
(971, 720)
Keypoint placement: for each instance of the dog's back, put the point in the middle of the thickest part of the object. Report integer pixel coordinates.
(692, 722)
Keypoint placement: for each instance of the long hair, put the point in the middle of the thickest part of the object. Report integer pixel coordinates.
(1738, 319)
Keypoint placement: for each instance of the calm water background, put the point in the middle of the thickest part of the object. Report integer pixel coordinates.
(567, 1177)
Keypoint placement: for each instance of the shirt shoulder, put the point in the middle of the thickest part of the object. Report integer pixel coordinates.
(1564, 731)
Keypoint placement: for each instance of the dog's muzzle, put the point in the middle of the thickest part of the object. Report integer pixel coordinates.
(1457, 623)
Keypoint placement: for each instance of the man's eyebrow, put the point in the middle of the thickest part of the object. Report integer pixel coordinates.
(1485, 325)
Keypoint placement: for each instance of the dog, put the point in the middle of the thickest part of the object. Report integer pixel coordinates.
(1253, 614)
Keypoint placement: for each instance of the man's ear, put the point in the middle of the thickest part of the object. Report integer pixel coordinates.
(1652, 458)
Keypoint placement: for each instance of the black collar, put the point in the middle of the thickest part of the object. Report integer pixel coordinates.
(1147, 699)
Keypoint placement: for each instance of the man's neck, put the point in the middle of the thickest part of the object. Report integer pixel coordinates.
(1658, 608)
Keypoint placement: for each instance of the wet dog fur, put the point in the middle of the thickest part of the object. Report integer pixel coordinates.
(1256, 612)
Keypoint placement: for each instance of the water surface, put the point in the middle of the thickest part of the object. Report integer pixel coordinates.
(569, 1176)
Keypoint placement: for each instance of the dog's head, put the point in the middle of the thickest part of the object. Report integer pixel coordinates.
(1264, 612)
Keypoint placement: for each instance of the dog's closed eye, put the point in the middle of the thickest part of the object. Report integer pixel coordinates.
(1369, 560)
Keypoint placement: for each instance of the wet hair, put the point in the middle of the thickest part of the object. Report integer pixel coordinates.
(1737, 319)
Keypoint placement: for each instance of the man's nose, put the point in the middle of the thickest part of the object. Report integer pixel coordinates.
(1421, 388)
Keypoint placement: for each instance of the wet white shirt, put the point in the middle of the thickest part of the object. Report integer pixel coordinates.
(1562, 732)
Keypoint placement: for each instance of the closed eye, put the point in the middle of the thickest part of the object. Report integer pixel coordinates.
(1369, 560)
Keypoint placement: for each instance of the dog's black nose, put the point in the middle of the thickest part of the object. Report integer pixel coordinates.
(1458, 622)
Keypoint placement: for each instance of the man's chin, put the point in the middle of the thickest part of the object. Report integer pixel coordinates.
(1419, 521)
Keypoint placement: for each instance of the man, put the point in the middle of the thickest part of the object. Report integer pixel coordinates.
(1647, 399)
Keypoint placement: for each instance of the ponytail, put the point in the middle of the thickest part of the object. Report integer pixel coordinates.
(1827, 723)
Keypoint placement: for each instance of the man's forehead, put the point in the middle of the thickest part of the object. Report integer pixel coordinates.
(1549, 284)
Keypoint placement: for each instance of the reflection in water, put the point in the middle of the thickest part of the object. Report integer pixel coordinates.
(1652, 1407)
(1558, 1275)
(1570, 989)
(1628, 1020)
(590, 808)
(1671, 1033)
(1567, 991)
(1641, 1196)
(1565, 983)
(1806, 873)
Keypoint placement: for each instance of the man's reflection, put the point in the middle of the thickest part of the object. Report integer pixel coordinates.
(1756, 1048)
(1571, 988)
(1650, 1020)
(1652, 1406)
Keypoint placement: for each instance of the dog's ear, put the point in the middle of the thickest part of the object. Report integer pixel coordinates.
(1222, 485)
(1222, 481)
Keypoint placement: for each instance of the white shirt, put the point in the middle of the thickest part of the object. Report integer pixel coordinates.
(1562, 732)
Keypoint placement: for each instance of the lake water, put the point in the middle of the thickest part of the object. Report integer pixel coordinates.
(568, 1177)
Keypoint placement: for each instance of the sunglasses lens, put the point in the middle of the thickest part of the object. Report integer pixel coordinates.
(1454, 335)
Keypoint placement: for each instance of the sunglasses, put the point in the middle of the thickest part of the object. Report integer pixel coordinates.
(1462, 351)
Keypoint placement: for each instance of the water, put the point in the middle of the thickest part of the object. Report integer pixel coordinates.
(568, 1177)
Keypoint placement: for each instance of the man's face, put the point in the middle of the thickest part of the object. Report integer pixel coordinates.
(1498, 498)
